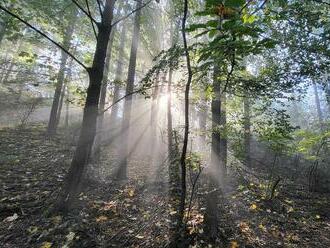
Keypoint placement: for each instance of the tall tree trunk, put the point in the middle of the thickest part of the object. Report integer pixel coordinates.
(52, 123)
(318, 104)
(186, 117)
(118, 76)
(88, 129)
(223, 138)
(154, 119)
(103, 94)
(327, 94)
(64, 89)
(173, 150)
(3, 28)
(247, 132)
(169, 122)
(122, 171)
(67, 103)
(202, 118)
(212, 199)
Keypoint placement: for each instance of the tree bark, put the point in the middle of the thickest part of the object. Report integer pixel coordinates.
(64, 89)
(118, 76)
(318, 104)
(122, 171)
(52, 123)
(3, 28)
(88, 129)
(247, 132)
(212, 198)
(154, 119)
(223, 138)
(103, 94)
(186, 117)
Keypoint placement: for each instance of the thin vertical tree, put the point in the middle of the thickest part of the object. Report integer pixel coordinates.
(52, 123)
(247, 131)
(122, 170)
(186, 116)
(118, 75)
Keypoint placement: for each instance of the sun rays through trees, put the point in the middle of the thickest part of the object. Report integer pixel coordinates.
(164, 123)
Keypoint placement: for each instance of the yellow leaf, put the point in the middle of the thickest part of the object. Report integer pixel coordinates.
(139, 236)
(253, 206)
(290, 209)
(317, 216)
(46, 245)
(234, 244)
(262, 227)
(131, 192)
(101, 218)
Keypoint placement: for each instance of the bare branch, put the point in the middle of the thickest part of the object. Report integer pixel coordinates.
(260, 7)
(131, 13)
(91, 18)
(84, 11)
(245, 6)
(127, 95)
(44, 35)
(100, 8)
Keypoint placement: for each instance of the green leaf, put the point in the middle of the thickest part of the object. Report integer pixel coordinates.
(212, 33)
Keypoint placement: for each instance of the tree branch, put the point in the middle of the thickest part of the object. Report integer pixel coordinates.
(132, 12)
(91, 18)
(44, 35)
(84, 11)
(100, 8)
(129, 94)
(260, 7)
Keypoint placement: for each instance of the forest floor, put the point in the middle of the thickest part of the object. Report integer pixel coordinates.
(136, 213)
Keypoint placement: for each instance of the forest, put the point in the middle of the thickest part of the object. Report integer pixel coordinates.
(165, 123)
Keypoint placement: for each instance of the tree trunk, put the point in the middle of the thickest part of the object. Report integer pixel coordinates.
(52, 123)
(88, 129)
(212, 198)
(318, 104)
(118, 76)
(67, 103)
(122, 171)
(327, 94)
(223, 138)
(247, 132)
(3, 28)
(103, 94)
(186, 118)
(154, 119)
(65, 85)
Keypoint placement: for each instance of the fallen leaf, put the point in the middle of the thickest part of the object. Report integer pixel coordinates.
(253, 206)
(101, 218)
(46, 245)
(70, 236)
(130, 192)
(233, 244)
(11, 218)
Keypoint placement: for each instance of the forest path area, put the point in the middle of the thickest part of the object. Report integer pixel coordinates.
(135, 212)
(112, 214)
